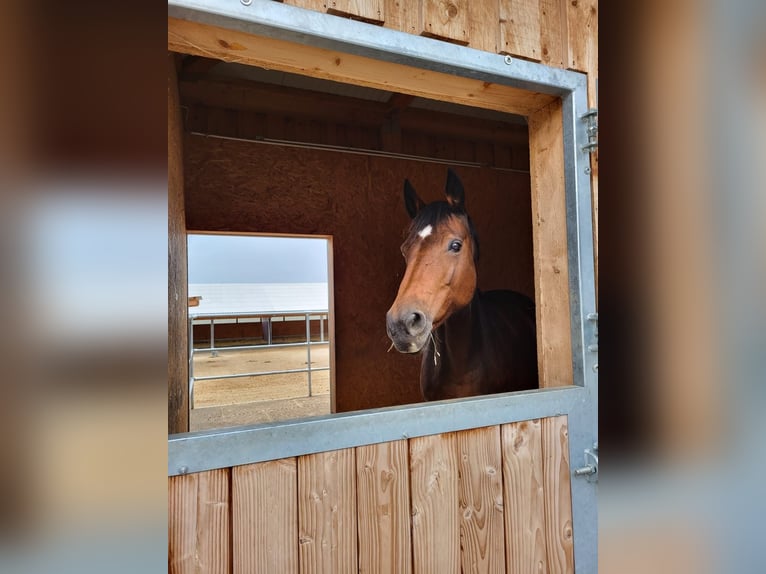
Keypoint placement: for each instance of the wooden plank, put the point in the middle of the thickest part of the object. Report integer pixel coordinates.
(373, 11)
(383, 495)
(235, 46)
(327, 512)
(445, 20)
(315, 5)
(481, 501)
(402, 15)
(199, 535)
(558, 496)
(265, 517)
(434, 486)
(230, 45)
(582, 24)
(484, 25)
(553, 32)
(546, 150)
(178, 366)
(520, 28)
(524, 498)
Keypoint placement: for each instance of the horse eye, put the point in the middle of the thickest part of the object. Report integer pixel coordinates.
(455, 246)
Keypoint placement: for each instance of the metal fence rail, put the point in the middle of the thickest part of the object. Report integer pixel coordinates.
(307, 315)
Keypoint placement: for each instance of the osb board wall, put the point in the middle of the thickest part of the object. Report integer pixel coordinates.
(494, 499)
(249, 187)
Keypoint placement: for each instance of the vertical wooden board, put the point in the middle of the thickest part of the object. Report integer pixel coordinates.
(265, 517)
(582, 24)
(316, 5)
(178, 365)
(198, 523)
(367, 10)
(558, 495)
(445, 19)
(484, 25)
(402, 15)
(327, 512)
(383, 495)
(549, 239)
(481, 501)
(524, 497)
(520, 28)
(553, 32)
(434, 486)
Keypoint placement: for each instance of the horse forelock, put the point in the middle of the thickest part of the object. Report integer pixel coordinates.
(433, 215)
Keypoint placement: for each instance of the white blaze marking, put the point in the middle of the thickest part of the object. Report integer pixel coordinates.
(425, 232)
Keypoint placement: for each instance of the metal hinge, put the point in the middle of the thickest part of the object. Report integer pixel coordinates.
(590, 469)
(593, 347)
(591, 119)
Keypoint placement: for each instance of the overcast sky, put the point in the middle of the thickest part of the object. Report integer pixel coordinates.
(253, 259)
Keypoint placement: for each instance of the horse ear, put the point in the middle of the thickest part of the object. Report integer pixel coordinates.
(454, 190)
(411, 200)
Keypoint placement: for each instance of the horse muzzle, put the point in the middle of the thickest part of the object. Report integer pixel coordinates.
(408, 329)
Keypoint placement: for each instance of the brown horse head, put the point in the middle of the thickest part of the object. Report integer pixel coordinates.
(441, 250)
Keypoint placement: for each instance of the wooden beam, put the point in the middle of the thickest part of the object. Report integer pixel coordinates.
(398, 102)
(549, 239)
(178, 368)
(196, 66)
(236, 46)
(269, 99)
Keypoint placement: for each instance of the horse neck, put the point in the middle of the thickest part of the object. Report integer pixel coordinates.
(460, 332)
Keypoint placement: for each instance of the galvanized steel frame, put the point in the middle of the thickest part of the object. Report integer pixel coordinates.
(193, 452)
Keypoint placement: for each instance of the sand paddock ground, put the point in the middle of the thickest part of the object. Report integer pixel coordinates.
(247, 400)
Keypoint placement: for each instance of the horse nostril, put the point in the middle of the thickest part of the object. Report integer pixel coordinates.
(414, 323)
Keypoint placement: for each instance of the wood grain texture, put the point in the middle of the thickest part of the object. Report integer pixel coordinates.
(435, 520)
(327, 512)
(520, 28)
(402, 15)
(484, 25)
(368, 10)
(383, 495)
(445, 20)
(199, 535)
(546, 149)
(553, 32)
(265, 517)
(482, 540)
(558, 496)
(582, 23)
(235, 46)
(524, 498)
(178, 366)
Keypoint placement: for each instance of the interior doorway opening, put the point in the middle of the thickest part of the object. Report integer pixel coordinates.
(260, 328)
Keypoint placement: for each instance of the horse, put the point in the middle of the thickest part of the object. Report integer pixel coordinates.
(472, 342)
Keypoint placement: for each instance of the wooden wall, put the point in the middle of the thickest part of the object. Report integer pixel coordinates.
(251, 187)
(494, 499)
(558, 33)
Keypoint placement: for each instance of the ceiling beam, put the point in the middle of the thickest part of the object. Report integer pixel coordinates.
(270, 99)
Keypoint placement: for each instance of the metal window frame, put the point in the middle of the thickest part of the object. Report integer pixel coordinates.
(199, 451)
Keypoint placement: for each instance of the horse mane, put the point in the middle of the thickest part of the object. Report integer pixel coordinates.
(434, 214)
